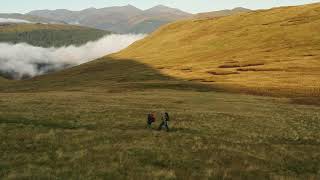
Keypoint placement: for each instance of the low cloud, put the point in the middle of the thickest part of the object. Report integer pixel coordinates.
(23, 60)
(10, 20)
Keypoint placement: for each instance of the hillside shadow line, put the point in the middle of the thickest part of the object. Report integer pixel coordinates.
(107, 73)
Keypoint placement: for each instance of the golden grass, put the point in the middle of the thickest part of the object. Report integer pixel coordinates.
(283, 43)
(220, 13)
(88, 122)
(103, 135)
(268, 52)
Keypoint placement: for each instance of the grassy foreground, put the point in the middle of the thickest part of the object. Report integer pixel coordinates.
(100, 135)
(88, 122)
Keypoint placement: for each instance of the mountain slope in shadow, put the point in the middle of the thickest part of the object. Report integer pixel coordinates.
(104, 74)
(266, 52)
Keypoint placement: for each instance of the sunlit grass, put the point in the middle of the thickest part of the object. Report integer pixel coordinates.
(281, 46)
(104, 135)
(89, 122)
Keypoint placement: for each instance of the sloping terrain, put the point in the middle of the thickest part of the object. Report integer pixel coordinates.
(2, 79)
(89, 122)
(123, 19)
(148, 26)
(48, 35)
(262, 52)
(89, 134)
(221, 13)
(266, 52)
(102, 75)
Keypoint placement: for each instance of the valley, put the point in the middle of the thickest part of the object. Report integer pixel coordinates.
(242, 92)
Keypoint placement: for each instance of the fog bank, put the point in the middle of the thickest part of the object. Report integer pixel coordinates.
(23, 60)
(10, 20)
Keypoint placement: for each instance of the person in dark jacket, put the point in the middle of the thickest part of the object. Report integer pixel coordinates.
(165, 121)
(151, 119)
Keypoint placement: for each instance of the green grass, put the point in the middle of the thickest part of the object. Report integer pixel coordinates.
(89, 122)
(49, 35)
(97, 135)
(92, 125)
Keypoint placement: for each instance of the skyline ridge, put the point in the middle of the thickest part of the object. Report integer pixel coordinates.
(190, 6)
(129, 5)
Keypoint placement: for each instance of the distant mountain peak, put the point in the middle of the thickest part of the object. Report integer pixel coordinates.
(240, 9)
(129, 5)
(166, 9)
(160, 7)
(120, 19)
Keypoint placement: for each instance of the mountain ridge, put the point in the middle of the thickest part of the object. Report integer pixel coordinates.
(31, 18)
(121, 19)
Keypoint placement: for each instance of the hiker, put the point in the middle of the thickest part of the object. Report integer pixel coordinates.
(151, 119)
(165, 121)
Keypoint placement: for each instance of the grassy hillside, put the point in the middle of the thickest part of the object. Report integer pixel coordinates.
(103, 74)
(221, 13)
(89, 122)
(48, 35)
(2, 79)
(267, 52)
(148, 26)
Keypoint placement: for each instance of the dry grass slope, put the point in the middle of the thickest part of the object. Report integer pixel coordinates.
(221, 13)
(88, 122)
(274, 52)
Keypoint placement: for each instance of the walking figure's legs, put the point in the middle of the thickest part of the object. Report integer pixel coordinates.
(167, 126)
(161, 125)
(149, 125)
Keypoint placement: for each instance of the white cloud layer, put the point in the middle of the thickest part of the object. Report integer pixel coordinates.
(22, 59)
(10, 20)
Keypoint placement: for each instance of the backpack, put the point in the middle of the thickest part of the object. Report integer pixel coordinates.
(151, 118)
(167, 117)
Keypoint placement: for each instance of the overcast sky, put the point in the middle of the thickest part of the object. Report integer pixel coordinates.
(193, 6)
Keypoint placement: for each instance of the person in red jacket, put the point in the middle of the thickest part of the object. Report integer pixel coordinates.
(151, 119)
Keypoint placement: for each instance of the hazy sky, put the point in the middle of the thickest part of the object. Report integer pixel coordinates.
(194, 6)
